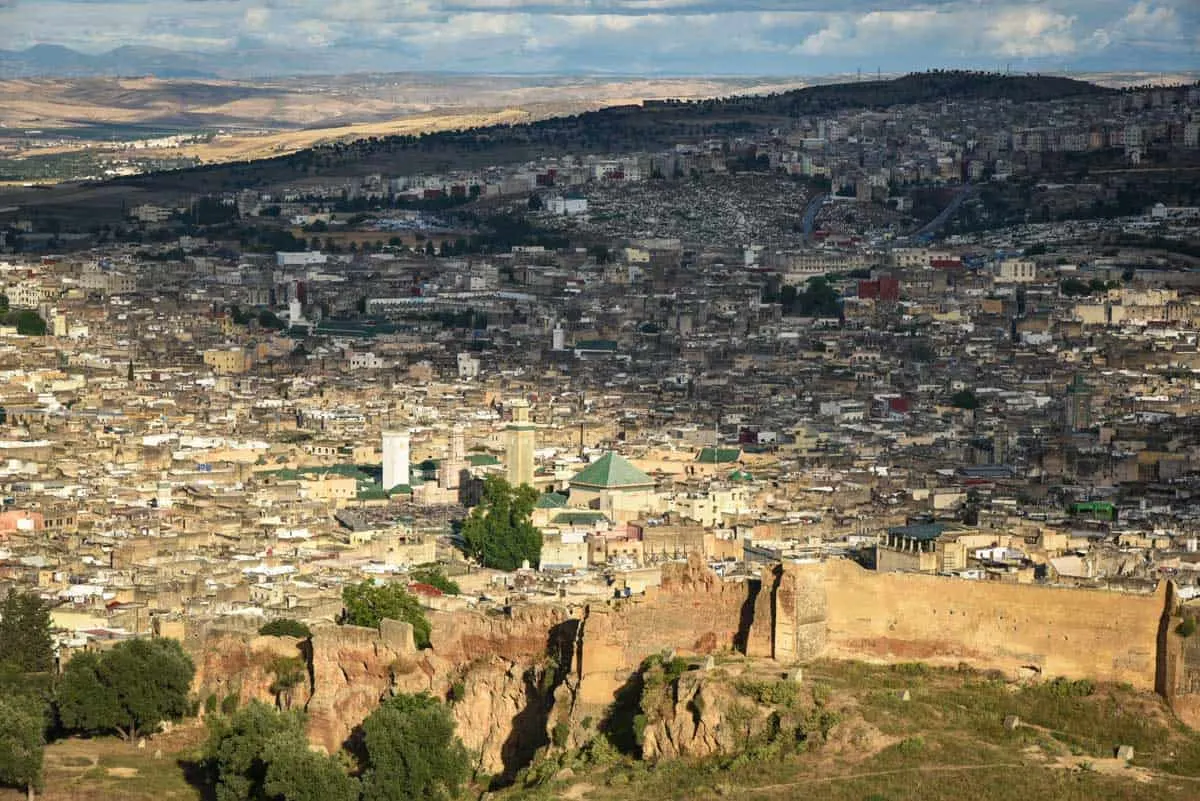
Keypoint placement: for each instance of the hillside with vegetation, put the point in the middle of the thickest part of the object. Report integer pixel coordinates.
(615, 129)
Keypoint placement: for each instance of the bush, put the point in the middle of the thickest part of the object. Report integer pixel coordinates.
(770, 693)
(229, 704)
(559, 734)
(1065, 688)
(286, 628)
(1187, 628)
(639, 729)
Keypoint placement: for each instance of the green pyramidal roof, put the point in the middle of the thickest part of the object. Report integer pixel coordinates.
(611, 471)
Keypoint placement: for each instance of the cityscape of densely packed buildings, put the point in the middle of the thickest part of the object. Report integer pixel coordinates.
(761, 364)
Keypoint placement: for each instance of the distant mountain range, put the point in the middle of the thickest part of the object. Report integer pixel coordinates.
(59, 61)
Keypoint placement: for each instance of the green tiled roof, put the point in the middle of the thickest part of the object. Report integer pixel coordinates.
(740, 475)
(482, 459)
(611, 471)
(551, 500)
(595, 344)
(718, 455)
(919, 531)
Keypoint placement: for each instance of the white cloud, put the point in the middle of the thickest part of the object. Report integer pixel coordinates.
(700, 36)
(1030, 33)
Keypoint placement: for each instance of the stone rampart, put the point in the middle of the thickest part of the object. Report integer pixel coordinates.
(905, 617)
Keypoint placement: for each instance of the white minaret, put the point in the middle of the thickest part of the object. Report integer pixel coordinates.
(395, 458)
(559, 341)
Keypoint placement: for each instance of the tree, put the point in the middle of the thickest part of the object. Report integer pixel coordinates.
(434, 577)
(295, 773)
(135, 685)
(25, 642)
(235, 753)
(370, 602)
(268, 319)
(964, 399)
(286, 628)
(411, 751)
(22, 741)
(500, 532)
(28, 323)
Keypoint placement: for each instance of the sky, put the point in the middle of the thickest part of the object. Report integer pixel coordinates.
(630, 37)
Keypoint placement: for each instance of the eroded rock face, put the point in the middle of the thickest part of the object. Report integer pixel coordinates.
(502, 713)
(505, 666)
(353, 668)
(240, 665)
(695, 721)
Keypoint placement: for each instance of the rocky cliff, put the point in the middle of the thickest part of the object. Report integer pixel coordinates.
(498, 669)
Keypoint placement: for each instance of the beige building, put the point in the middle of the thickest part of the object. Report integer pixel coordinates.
(228, 361)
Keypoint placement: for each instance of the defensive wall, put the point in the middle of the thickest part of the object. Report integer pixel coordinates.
(797, 612)
(908, 617)
(520, 670)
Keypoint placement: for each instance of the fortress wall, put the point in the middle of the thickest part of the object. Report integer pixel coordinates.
(896, 617)
(693, 612)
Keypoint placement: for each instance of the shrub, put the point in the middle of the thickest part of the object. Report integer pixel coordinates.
(1187, 628)
(600, 752)
(770, 693)
(559, 734)
(229, 704)
(639, 729)
(286, 628)
(1065, 688)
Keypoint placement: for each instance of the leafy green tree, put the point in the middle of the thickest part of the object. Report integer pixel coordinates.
(268, 319)
(236, 751)
(295, 773)
(370, 602)
(819, 299)
(434, 577)
(135, 685)
(499, 531)
(22, 741)
(25, 632)
(286, 628)
(411, 751)
(28, 322)
(84, 700)
(1073, 287)
(964, 399)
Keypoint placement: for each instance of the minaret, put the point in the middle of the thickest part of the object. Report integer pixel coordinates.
(520, 446)
(449, 474)
(395, 458)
